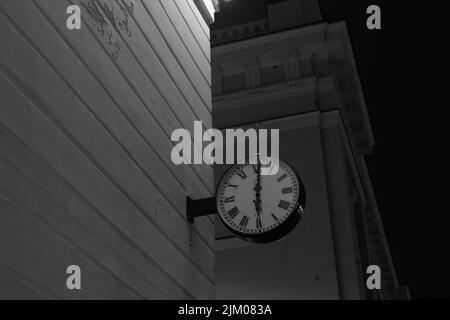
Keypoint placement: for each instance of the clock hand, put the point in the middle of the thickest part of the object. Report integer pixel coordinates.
(258, 189)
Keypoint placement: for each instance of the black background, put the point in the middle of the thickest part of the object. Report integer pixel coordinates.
(409, 124)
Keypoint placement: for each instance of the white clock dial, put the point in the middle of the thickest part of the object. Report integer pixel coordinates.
(252, 211)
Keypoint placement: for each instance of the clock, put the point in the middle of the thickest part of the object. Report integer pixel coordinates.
(260, 208)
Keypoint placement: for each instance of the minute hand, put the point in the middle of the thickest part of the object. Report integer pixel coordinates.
(258, 190)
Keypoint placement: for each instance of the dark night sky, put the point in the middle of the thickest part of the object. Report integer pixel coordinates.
(406, 165)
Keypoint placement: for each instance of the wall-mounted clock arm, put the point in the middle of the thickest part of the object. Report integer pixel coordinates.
(200, 208)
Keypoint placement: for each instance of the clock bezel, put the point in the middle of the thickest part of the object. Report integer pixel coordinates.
(281, 230)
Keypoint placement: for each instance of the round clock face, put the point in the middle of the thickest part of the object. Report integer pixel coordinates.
(260, 208)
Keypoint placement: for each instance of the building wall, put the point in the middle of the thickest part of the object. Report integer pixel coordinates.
(304, 81)
(85, 172)
(320, 259)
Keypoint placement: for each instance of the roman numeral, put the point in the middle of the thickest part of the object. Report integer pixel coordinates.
(287, 190)
(284, 176)
(230, 199)
(284, 205)
(274, 217)
(242, 175)
(258, 223)
(244, 221)
(233, 212)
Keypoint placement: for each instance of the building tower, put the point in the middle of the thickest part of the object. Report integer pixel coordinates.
(280, 66)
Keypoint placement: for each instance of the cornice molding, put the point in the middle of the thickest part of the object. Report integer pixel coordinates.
(322, 49)
(280, 40)
(266, 93)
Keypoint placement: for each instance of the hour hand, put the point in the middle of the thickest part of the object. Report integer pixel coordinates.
(258, 207)
(258, 189)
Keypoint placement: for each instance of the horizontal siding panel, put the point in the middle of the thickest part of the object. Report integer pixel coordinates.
(23, 169)
(170, 24)
(195, 27)
(181, 23)
(180, 91)
(104, 149)
(42, 256)
(170, 221)
(32, 127)
(82, 81)
(195, 88)
(54, 201)
(202, 61)
(131, 89)
(14, 288)
(85, 150)
(199, 17)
